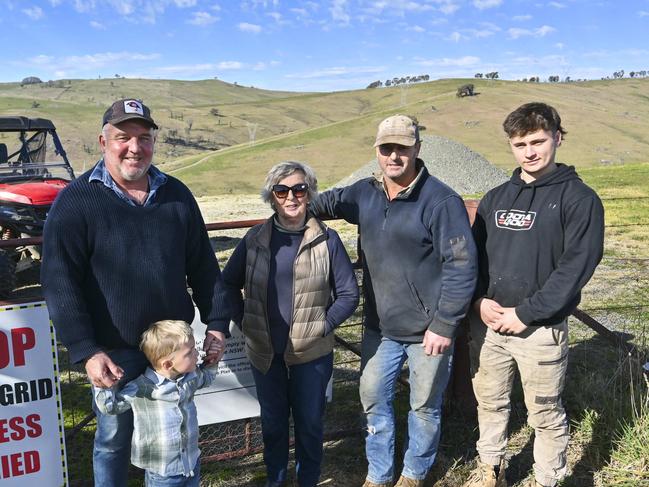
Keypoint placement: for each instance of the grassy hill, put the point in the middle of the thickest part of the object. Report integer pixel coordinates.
(334, 132)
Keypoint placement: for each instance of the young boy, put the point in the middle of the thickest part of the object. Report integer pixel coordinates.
(539, 237)
(165, 435)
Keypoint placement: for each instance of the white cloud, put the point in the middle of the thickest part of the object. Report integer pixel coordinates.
(521, 18)
(556, 5)
(488, 29)
(40, 60)
(337, 71)
(202, 18)
(481, 34)
(464, 61)
(515, 33)
(399, 8)
(33, 13)
(559, 45)
(456, 37)
(261, 66)
(183, 69)
(123, 7)
(230, 65)
(135, 11)
(83, 64)
(84, 5)
(199, 69)
(339, 12)
(449, 8)
(300, 12)
(55, 3)
(254, 4)
(643, 13)
(417, 28)
(97, 25)
(246, 27)
(277, 17)
(543, 30)
(484, 4)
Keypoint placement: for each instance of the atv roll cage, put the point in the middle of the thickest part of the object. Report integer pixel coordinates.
(31, 158)
(34, 168)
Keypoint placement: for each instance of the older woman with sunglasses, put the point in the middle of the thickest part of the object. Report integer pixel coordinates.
(298, 286)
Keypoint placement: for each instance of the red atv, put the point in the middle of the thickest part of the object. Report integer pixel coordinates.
(33, 170)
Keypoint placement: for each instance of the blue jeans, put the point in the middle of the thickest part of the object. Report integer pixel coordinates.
(154, 480)
(112, 450)
(298, 390)
(382, 360)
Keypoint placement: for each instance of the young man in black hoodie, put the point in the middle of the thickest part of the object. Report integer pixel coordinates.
(539, 237)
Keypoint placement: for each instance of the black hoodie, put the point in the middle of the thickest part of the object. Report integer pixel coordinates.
(538, 244)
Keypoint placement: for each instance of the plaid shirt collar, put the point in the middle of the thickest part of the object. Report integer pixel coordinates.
(405, 192)
(156, 179)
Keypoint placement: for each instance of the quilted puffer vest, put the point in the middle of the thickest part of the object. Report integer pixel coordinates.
(311, 297)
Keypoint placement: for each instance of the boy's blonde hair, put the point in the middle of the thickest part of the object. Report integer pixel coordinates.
(163, 338)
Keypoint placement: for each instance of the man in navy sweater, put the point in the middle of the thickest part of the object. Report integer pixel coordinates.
(121, 245)
(539, 237)
(419, 274)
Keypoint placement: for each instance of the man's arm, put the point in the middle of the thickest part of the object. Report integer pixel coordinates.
(452, 235)
(337, 203)
(64, 269)
(583, 249)
(344, 284)
(488, 309)
(234, 275)
(479, 232)
(205, 280)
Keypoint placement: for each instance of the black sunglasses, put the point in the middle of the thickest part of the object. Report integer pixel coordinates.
(298, 190)
(388, 149)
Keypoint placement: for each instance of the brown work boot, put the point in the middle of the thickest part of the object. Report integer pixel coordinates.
(372, 484)
(408, 482)
(484, 475)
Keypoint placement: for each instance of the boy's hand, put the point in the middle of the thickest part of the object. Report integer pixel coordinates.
(509, 324)
(214, 346)
(490, 312)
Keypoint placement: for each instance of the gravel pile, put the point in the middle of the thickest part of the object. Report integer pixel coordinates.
(465, 171)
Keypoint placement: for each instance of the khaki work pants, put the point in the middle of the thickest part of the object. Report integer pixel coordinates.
(541, 356)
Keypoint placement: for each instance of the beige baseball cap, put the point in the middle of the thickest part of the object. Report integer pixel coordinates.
(397, 129)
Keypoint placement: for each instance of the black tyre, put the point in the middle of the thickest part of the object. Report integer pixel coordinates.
(7, 274)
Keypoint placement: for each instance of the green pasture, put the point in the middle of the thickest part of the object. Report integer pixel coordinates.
(253, 129)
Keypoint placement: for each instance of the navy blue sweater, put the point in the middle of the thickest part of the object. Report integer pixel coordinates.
(110, 269)
(283, 249)
(419, 258)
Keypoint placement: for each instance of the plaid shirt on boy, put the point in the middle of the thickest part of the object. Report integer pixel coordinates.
(165, 434)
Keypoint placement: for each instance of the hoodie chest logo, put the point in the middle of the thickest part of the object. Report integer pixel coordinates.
(515, 219)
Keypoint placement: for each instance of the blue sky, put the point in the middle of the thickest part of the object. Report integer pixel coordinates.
(321, 46)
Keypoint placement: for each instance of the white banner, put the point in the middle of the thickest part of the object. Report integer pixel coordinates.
(232, 395)
(32, 443)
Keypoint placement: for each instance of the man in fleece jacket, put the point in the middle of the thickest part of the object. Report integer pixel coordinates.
(539, 236)
(419, 274)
